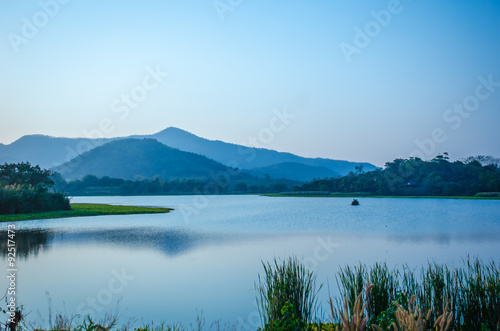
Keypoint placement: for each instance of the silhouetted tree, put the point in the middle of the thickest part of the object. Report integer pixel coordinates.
(25, 174)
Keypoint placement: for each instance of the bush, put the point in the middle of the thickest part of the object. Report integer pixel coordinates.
(17, 199)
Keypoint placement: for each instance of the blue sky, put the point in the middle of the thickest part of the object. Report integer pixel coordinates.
(225, 68)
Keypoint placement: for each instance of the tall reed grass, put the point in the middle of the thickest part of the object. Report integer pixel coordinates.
(470, 293)
(286, 284)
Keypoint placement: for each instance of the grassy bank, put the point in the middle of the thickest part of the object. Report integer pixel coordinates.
(84, 209)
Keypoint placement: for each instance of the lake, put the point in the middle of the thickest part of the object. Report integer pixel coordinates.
(203, 258)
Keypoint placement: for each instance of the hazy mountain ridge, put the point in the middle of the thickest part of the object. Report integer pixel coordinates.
(49, 152)
(246, 157)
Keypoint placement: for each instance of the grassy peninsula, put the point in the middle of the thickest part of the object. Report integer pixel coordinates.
(84, 209)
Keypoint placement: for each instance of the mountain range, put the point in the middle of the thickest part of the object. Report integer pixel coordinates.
(60, 153)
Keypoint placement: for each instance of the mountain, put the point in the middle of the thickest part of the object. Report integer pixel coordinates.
(49, 152)
(246, 157)
(139, 158)
(45, 151)
(294, 171)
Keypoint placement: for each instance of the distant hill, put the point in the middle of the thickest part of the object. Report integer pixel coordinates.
(46, 151)
(245, 157)
(49, 152)
(139, 158)
(294, 171)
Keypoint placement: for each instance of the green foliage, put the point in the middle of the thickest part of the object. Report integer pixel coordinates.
(25, 174)
(351, 281)
(24, 189)
(286, 281)
(384, 291)
(28, 199)
(415, 177)
(241, 187)
(386, 318)
(89, 325)
(477, 295)
(92, 185)
(161, 327)
(324, 326)
(383, 285)
(289, 321)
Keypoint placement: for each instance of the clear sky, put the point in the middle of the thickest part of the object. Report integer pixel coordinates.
(355, 80)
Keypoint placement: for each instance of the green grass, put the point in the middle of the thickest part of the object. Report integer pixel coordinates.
(84, 209)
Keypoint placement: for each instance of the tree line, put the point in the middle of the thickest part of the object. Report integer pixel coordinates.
(93, 185)
(25, 188)
(415, 177)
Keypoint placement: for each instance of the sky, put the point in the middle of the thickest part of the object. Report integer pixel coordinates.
(354, 80)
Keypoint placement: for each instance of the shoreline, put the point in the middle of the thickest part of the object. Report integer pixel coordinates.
(85, 209)
(349, 195)
(293, 194)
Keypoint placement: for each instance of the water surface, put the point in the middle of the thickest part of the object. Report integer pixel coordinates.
(204, 257)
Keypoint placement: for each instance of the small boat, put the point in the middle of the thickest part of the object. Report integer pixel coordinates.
(355, 202)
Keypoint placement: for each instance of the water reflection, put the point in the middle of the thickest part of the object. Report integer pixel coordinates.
(28, 242)
(443, 239)
(171, 242)
(177, 241)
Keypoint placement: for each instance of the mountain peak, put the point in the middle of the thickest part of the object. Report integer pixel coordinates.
(171, 130)
(139, 157)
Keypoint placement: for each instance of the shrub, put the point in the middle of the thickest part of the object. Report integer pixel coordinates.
(21, 199)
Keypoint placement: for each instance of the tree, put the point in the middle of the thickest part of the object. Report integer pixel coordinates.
(241, 187)
(24, 189)
(25, 174)
(90, 181)
(414, 176)
(483, 159)
(59, 182)
(278, 187)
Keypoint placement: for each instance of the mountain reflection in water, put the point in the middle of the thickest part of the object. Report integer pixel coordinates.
(171, 242)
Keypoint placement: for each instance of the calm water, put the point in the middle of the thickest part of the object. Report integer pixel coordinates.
(204, 257)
